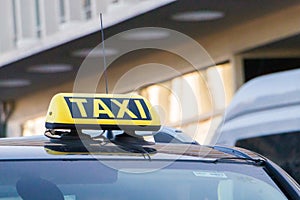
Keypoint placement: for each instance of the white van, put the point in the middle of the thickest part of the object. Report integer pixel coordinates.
(264, 116)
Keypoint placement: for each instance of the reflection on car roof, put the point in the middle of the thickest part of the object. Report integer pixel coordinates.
(34, 148)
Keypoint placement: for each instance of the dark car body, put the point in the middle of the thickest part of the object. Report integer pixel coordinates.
(43, 168)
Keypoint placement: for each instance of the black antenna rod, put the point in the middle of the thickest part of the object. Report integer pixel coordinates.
(103, 51)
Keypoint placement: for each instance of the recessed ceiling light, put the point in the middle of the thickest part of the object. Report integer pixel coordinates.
(95, 53)
(50, 68)
(9, 83)
(201, 15)
(145, 35)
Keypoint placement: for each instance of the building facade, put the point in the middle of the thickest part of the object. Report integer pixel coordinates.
(45, 42)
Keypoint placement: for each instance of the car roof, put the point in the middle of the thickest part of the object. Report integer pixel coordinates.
(266, 92)
(265, 105)
(41, 147)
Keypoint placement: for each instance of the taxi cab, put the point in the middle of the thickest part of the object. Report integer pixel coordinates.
(69, 163)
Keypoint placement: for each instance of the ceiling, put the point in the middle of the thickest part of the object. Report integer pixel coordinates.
(287, 44)
(236, 12)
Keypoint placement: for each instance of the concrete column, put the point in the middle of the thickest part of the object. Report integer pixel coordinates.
(14, 129)
(76, 10)
(216, 87)
(204, 93)
(175, 113)
(190, 98)
(227, 74)
(51, 16)
(132, 1)
(238, 71)
(28, 18)
(100, 7)
(7, 25)
(164, 102)
(67, 10)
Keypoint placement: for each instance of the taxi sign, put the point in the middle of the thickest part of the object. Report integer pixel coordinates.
(101, 111)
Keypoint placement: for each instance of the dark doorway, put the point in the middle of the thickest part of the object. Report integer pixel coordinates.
(258, 67)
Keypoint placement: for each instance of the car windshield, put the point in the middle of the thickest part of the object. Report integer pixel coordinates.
(276, 147)
(92, 179)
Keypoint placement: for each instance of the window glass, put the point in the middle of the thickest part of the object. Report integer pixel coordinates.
(62, 11)
(283, 149)
(194, 101)
(180, 180)
(38, 19)
(16, 37)
(87, 9)
(34, 126)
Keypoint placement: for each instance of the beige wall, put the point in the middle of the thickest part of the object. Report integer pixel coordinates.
(227, 45)
(32, 106)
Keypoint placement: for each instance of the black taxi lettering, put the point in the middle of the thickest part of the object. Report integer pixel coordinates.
(108, 108)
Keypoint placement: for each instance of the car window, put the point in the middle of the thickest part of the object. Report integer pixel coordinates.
(283, 149)
(134, 180)
(164, 137)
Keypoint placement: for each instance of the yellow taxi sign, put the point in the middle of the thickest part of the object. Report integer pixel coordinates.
(104, 111)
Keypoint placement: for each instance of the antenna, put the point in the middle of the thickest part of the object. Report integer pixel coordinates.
(109, 132)
(103, 51)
